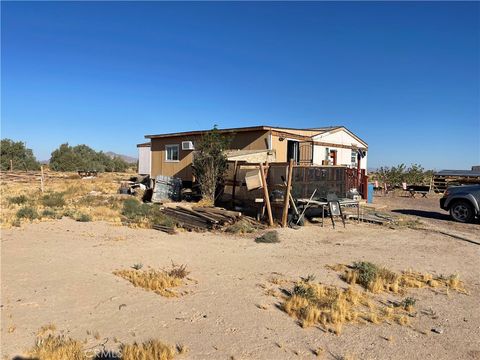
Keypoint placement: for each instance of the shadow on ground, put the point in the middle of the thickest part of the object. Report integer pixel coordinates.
(425, 214)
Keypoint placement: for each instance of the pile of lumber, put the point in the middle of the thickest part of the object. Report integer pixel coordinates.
(202, 218)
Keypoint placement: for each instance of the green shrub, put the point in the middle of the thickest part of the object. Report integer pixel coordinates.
(367, 272)
(134, 209)
(49, 213)
(54, 199)
(18, 200)
(83, 218)
(268, 237)
(408, 303)
(304, 291)
(27, 212)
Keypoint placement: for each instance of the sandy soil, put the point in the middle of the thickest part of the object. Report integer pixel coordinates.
(61, 272)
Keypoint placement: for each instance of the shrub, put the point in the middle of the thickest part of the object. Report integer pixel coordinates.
(49, 213)
(269, 237)
(18, 200)
(54, 199)
(83, 218)
(241, 227)
(178, 271)
(134, 209)
(408, 303)
(367, 272)
(27, 212)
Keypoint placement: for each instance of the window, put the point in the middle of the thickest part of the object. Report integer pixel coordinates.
(171, 152)
(354, 157)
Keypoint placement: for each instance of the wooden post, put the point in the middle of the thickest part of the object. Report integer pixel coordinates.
(234, 182)
(41, 178)
(11, 165)
(286, 199)
(266, 196)
(364, 184)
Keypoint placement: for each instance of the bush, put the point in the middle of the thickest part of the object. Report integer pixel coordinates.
(49, 213)
(18, 200)
(54, 199)
(367, 272)
(134, 209)
(83, 218)
(27, 212)
(268, 237)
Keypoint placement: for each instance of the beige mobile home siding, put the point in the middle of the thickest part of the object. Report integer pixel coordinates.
(248, 140)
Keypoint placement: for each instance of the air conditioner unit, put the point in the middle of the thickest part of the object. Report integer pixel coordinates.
(187, 145)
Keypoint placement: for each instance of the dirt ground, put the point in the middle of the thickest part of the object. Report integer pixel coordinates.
(60, 272)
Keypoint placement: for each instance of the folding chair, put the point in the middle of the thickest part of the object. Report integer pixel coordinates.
(334, 208)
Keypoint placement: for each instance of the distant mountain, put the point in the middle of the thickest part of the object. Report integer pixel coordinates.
(128, 159)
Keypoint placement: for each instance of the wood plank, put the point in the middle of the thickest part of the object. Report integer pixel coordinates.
(286, 199)
(266, 195)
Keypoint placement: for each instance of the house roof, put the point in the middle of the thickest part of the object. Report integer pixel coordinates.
(147, 144)
(240, 129)
(313, 131)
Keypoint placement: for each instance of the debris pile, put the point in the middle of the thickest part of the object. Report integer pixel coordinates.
(204, 218)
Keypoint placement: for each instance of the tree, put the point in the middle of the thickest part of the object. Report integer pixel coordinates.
(83, 157)
(210, 162)
(18, 155)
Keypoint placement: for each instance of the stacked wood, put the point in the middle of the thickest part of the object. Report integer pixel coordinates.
(167, 229)
(202, 218)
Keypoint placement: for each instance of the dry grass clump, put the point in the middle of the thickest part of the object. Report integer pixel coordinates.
(380, 279)
(57, 347)
(241, 227)
(158, 281)
(45, 329)
(60, 347)
(149, 350)
(331, 307)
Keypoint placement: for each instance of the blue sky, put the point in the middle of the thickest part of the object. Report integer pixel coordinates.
(403, 76)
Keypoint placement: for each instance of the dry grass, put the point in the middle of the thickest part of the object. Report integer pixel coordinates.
(149, 350)
(66, 194)
(60, 347)
(378, 279)
(57, 347)
(331, 307)
(158, 281)
(46, 329)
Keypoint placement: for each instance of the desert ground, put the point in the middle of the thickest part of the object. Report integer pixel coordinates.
(60, 272)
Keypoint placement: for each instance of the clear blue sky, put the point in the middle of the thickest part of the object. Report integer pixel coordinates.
(403, 76)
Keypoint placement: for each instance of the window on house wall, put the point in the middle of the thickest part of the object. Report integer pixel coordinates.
(354, 157)
(172, 153)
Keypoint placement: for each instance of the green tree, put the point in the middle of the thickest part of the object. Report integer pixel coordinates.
(16, 153)
(83, 157)
(210, 162)
(415, 175)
